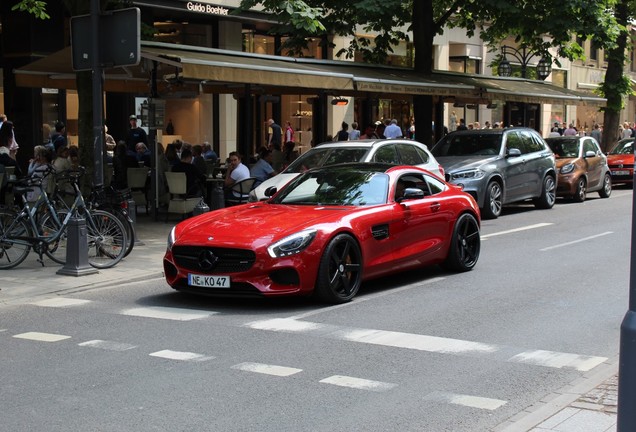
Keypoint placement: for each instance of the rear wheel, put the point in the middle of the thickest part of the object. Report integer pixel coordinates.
(548, 194)
(55, 250)
(128, 226)
(340, 271)
(465, 244)
(12, 252)
(493, 202)
(581, 190)
(106, 239)
(606, 190)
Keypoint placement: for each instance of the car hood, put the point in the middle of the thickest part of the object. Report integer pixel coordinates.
(457, 163)
(252, 224)
(620, 159)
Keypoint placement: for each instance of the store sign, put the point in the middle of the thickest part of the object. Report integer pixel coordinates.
(206, 8)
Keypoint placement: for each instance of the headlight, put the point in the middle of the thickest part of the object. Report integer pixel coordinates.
(171, 238)
(472, 174)
(292, 244)
(567, 168)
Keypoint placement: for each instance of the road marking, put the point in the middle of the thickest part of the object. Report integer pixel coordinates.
(576, 241)
(41, 337)
(181, 355)
(60, 302)
(427, 343)
(358, 383)
(525, 228)
(107, 345)
(558, 360)
(466, 400)
(267, 369)
(176, 314)
(375, 337)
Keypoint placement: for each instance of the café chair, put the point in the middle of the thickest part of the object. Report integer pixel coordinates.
(137, 182)
(177, 187)
(242, 188)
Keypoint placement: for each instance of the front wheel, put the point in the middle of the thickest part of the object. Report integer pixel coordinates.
(548, 194)
(581, 191)
(340, 271)
(56, 250)
(12, 251)
(106, 239)
(465, 244)
(606, 191)
(493, 202)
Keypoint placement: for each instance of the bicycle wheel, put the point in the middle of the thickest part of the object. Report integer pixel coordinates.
(12, 252)
(55, 250)
(106, 239)
(128, 226)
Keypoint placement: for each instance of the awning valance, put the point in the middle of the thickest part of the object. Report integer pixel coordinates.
(228, 72)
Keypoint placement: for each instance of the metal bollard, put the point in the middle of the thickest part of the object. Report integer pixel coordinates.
(217, 200)
(76, 250)
(132, 212)
(201, 208)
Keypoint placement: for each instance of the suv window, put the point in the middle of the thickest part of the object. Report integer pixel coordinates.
(344, 155)
(530, 142)
(468, 144)
(513, 141)
(386, 154)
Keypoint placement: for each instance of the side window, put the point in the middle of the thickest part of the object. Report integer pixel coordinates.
(409, 155)
(435, 186)
(533, 143)
(513, 141)
(411, 181)
(386, 154)
(589, 145)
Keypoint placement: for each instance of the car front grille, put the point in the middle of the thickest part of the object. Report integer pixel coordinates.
(212, 259)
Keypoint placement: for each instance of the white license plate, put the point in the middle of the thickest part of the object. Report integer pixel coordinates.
(208, 281)
(620, 173)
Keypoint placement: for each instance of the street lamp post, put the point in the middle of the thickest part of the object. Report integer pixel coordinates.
(523, 56)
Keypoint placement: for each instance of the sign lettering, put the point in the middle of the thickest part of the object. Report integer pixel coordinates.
(206, 8)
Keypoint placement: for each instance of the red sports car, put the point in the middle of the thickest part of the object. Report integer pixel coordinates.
(621, 162)
(325, 232)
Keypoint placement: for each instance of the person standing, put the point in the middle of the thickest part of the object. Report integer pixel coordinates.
(453, 122)
(343, 134)
(596, 133)
(198, 160)
(135, 134)
(462, 124)
(58, 139)
(275, 134)
(570, 131)
(393, 130)
(355, 132)
(289, 132)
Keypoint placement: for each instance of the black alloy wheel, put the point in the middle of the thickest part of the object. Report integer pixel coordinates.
(340, 271)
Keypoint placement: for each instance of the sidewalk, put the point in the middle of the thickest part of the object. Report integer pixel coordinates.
(586, 405)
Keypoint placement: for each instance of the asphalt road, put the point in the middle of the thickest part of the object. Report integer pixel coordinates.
(425, 351)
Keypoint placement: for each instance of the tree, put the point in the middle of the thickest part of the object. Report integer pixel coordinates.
(538, 25)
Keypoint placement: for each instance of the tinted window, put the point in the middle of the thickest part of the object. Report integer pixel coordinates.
(306, 161)
(531, 143)
(589, 145)
(409, 155)
(468, 144)
(386, 154)
(436, 186)
(513, 141)
(344, 155)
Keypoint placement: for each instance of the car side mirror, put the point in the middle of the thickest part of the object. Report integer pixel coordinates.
(590, 154)
(513, 152)
(411, 193)
(270, 191)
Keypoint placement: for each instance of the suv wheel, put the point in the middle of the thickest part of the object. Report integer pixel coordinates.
(493, 201)
(548, 194)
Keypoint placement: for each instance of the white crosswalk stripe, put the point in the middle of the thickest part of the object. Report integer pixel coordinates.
(168, 313)
(107, 345)
(466, 400)
(358, 383)
(181, 355)
(60, 302)
(267, 369)
(435, 344)
(41, 337)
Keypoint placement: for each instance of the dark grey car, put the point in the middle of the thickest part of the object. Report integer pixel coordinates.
(499, 166)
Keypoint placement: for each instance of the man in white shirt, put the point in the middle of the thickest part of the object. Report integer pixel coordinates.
(235, 172)
(393, 130)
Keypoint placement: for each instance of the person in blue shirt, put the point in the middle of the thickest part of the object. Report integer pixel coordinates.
(262, 169)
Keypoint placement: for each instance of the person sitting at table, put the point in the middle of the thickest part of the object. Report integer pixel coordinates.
(194, 178)
(236, 172)
(262, 169)
(198, 160)
(143, 153)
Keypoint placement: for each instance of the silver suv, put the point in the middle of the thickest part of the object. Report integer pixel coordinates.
(499, 166)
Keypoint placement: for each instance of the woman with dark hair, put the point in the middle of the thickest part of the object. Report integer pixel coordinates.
(121, 162)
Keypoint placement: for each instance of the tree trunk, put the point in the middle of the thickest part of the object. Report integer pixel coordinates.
(613, 75)
(423, 34)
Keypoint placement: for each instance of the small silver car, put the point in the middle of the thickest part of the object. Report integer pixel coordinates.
(499, 166)
(393, 151)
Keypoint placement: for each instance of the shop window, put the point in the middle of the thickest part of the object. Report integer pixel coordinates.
(464, 64)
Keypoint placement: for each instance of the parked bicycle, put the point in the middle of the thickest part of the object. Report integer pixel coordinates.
(22, 231)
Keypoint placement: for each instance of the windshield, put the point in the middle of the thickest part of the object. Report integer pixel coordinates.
(317, 157)
(336, 187)
(564, 148)
(623, 147)
(474, 144)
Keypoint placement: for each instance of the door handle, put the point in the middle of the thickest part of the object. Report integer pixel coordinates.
(435, 206)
